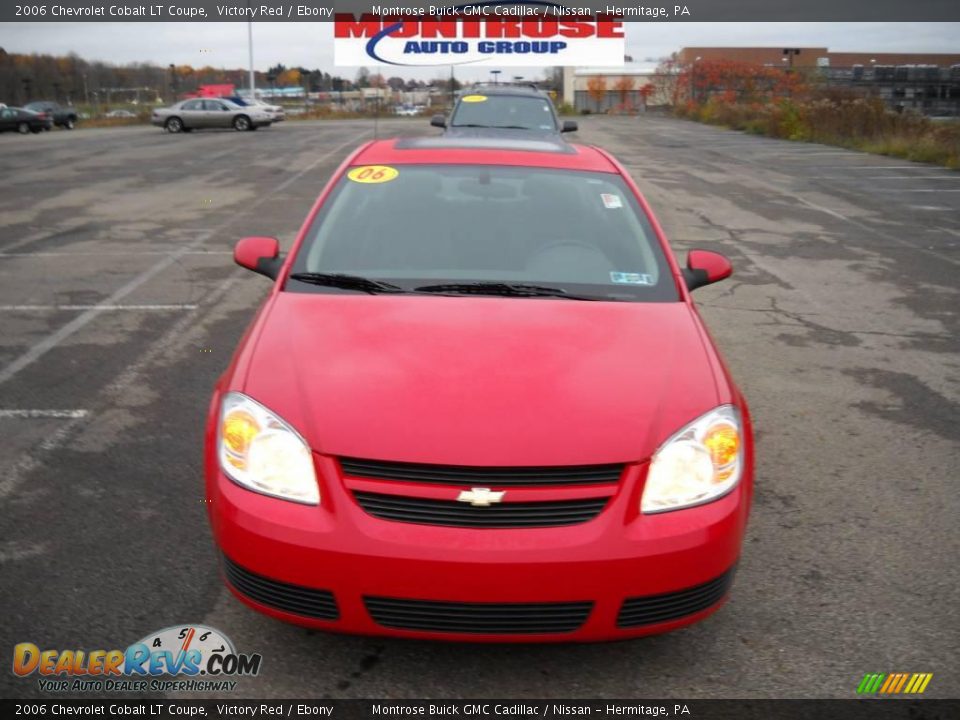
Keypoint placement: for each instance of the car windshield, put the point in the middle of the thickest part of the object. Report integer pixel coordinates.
(504, 111)
(417, 225)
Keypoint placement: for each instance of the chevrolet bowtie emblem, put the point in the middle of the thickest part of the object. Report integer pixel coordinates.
(480, 497)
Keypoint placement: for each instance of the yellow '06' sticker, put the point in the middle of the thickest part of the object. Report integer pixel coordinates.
(373, 174)
(474, 98)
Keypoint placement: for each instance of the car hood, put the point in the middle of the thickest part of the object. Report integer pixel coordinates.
(480, 381)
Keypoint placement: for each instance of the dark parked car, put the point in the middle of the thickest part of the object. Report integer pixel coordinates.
(63, 115)
(503, 110)
(23, 121)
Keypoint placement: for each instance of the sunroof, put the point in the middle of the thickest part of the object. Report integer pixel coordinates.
(484, 143)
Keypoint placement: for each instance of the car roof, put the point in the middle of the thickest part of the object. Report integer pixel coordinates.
(541, 151)
(485, 89)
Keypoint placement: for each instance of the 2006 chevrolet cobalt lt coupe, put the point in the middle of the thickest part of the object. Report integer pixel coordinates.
(479, 404)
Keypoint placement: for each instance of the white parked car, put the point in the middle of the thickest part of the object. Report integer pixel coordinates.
(276, 112)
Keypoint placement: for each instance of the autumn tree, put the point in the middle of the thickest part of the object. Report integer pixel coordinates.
(624, 86)
(597, 89)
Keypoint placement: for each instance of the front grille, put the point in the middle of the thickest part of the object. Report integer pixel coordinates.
(652, 609)
(492, 618)
(456, 514)
(483, 476)
(296, 599)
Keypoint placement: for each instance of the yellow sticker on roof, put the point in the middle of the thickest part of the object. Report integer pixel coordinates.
(372, 174)
(474, 98)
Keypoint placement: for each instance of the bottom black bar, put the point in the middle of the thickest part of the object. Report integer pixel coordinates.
(853, 709)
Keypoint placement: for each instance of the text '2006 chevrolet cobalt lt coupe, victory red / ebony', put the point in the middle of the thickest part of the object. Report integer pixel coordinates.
(479, 404)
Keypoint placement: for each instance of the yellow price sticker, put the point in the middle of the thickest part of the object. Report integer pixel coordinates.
(474, 98)
(372, 174)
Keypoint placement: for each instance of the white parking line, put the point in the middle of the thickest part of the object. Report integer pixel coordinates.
(905, 166)
(43, 413)
(15, 475)
(890, 177)
(100, 253)
(51, 341)
(99, 308)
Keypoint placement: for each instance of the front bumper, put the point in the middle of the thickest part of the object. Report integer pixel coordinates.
(337, 568)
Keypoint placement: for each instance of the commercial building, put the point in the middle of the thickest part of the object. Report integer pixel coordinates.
(610, 89)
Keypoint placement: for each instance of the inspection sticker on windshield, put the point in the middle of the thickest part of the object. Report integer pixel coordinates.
(473, 98)
(631, 278)
(373, 174)
(611, 202)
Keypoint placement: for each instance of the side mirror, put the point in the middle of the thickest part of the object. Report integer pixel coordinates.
(705, 267)
(260, 254)
(569, 126)
(438, 121)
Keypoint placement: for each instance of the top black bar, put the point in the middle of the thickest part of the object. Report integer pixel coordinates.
(324, 10)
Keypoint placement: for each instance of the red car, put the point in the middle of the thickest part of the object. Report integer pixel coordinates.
(479, 404)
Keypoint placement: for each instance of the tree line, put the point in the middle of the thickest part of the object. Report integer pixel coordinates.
(71, 79)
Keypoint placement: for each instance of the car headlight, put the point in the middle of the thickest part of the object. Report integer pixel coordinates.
(699, 464)
(261, 452)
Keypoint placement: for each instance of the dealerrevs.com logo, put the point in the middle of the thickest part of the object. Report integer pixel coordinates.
(203, 658)
(501, 33)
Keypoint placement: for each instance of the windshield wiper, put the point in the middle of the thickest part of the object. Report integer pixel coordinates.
(500, 288)
(347, 282)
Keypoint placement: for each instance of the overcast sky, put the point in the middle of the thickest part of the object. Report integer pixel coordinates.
(311, 44)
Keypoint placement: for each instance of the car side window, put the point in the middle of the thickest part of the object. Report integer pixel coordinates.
(214, 105)
(193, 105)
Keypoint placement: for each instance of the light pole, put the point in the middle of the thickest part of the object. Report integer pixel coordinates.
(253, 92)
(693, 80)
(494, 73)
(789, 54)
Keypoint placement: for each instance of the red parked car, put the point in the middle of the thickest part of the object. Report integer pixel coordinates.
(479, 404)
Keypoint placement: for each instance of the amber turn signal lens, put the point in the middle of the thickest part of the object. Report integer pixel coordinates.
(723, 442)
(239, 428)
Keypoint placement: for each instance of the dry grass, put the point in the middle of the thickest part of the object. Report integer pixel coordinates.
(855, 123)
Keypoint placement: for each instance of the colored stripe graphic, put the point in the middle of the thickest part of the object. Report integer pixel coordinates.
(870, 683)
(894, 683)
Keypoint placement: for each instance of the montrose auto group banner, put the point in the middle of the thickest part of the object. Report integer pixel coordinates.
(524, 35)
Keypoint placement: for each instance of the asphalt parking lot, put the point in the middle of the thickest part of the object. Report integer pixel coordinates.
(120, 305)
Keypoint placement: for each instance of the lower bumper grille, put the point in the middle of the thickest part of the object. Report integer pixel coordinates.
(456, 514)
(652, 609)
(296, 599)
(491, 618)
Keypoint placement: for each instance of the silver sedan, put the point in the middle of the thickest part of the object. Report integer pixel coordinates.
(209, 113)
